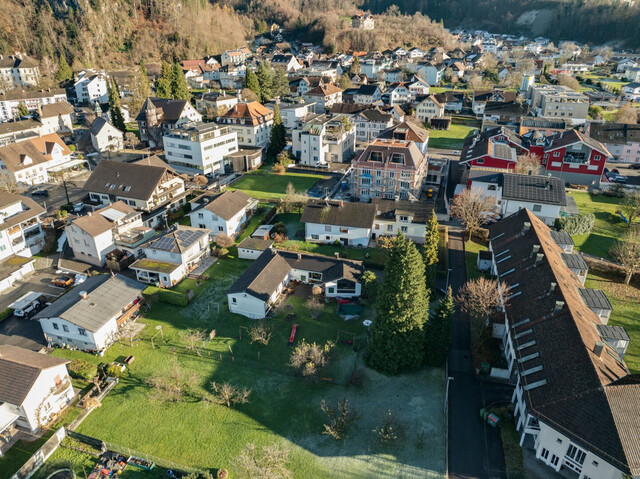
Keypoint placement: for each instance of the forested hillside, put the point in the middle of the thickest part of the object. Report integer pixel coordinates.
(593, 21)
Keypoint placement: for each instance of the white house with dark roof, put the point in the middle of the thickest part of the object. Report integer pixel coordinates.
(171, 257)
(257, 290)
(347, 223)
(222, 213)
(34, 388)
(371, 122)
(89, 316)
(91, 87)
(20, 226)
(252, 248)
(32, 99)
(399, 216)
(105, 136)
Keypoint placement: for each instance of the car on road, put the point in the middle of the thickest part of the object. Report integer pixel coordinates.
(456, 152)
(614, 178)
(634, 166)
(40, 192)
(62, 281)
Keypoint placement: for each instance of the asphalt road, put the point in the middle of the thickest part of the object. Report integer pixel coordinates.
(475, 448)
(57, 196)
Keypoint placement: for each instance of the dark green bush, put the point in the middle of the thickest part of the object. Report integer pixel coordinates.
(575, 225)
(81, 369)
(168, 296)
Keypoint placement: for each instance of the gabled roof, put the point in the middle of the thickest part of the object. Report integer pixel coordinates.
(16, 156)
(178, 239)
(339, 213)
(55, 109)
(106, 297)
(263, 277)
(103, 219)
(616, 133)
(412, 157)
(324, 90)
(130, 180)
(170, 110)
(31, 209)
(389, 209)
(229, 204)
(19, 370)
(99, 124)
(406, 131)
(534, 188)
(253, 112)
(569, 137)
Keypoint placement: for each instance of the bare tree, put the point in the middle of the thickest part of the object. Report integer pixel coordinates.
(267, 462)
(627, 252)
(229, 395)
(630, 206)
(293, 200)
(627, 114)
(473, 209)
(479, 298)
(527, 165)
(339, 417)
(260, 333)
(192, 338)
(310, 358)
(569, 81)
(9, 186)
(390, 429)
(171, 386)
(223, 240)
(314, 306)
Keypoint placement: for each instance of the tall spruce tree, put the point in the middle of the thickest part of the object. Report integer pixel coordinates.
(251, 82)
(278, 132)
(396, 337)
(280, 83)
(141, 89)
(438, 332)
(266, 78)
(354, 69)
(64, 73)
(179, 87)
(115, 113)
(430, 250)
(163, 83)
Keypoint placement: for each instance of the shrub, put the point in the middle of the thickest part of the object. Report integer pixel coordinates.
(114, 371)
(280, 228)
(166, 296)
(81, 369)
(278, 169)
(5, 313)
(575, 225)
(481, 234)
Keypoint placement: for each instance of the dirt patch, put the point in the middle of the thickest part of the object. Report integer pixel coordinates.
(538, 21)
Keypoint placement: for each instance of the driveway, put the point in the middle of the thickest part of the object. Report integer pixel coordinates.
(57, 196)
(475, 448)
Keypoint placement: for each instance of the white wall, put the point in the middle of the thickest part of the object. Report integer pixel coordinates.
(318, 233)
(245, 253)
(414, 231)
(547, 213)
(202, 156)
(247, 305)
(203, 218)
(96, 340)
(92, 249)
(41, 392)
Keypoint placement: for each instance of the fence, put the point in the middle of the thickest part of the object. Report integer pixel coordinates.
(40, 456)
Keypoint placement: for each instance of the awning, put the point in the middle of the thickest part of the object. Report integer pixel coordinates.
(67, 165)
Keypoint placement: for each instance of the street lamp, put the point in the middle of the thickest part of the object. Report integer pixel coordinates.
(447, 285)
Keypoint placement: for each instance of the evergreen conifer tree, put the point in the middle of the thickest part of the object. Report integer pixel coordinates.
(179, 87)
(251, 81)
(396, 337)
(355, 67)
(64, 73)
(280, 83)
(141, 89)
(23, 110)
(438, 332)
(430, 250)
(266, 77)
(114, 107)
(278, 140)
(163, 83)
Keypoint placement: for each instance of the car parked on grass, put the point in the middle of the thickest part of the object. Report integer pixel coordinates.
(62, 281)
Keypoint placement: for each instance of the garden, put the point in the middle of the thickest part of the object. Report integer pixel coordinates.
(168, 401)
(450, 139)
(262, 184)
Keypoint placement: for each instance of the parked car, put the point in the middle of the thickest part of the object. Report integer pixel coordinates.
(617, 178)
(25, 311)
(62, 281)
(615, 170)
(40, 192)
(634, 166)
(78, 208)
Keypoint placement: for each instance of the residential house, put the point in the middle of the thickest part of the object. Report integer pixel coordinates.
(55, 118)
(621, 139)
(337, 221)
(481, 97)
(213, 104)
(259, 288)
(200, 148)
(293, 113)
(367, 94)
(544, 196)
(322, 139)
(301, 85)
(370, 123)
(105, 136)
(324, 96)
(89, 317)
(252, 248)
(287, 62)
(171, 257)
(453, 101)
(408, 131)
(431, 73)
(575, 400)
(363, 21)
(10, 101)
(504, 112)
(151, 187)
(399, 216)
(235, 57)
(251, 122)
(34, 389)
(18, 71)
(16, 131)
(625, 64)
(160, 115)
(226, 212)
(397, 94)
(91, 87)
(418, 87)
(394, 75)
(21, 230)
(429, 108)
(631, 91)
(93, 236)
(558, 101)
(415, 53)
(232, 77)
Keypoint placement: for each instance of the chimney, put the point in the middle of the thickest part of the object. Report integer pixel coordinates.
(84, 294)
(299, 256)
(597, 348)
(539, 258)
(552, 287)
(558, 307)
(526, 226)
(337, 254)
(536, 248)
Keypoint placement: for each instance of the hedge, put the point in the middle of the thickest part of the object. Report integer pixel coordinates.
(81, 369)
(5, 313)
(151, 293)
(575, 225)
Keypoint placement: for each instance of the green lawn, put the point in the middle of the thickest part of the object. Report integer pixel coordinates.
(450, 139)
(255, 220)
(625, 300)
(265, 185)
(608, 225)
(283, 409)
(471, 249)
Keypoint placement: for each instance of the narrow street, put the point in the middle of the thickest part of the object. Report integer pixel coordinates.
(475, 449)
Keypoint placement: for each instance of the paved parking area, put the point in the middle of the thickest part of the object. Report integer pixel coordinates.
(633, 176)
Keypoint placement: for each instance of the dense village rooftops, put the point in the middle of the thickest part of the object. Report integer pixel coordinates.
(106, 296)
(19, 370)
(571, 379)
(339, 213)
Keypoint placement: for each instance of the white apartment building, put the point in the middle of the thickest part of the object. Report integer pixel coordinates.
(559, 101)
(20, 226)
(292, 113)
(18, 71)
(251, 121)
(91, 87)
(200, 148)
(323, 139)
(10, 101)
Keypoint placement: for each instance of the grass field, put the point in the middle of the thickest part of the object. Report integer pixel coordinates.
(471, 249)
(608, 225)
(450, 139)
(625, 300)
(265, 185)
(283, 409)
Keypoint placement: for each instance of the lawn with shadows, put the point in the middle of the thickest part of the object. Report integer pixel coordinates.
(263, 184)
(283, 408)
(453, 138)
(608, 225)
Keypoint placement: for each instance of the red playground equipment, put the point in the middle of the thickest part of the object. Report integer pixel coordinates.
(293, 334)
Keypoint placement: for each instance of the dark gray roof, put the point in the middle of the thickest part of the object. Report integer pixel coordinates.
(170, 110)
(98, 124)
(575, 261)
(613, 332)
(331, 268)
(19, 370)
(561, 237)
(257, 244)
(131, 180)
(178, 239)
(388, 209)
(595, 298)
(339, 213)
(263, 277)
(106, 296)
(540, 189)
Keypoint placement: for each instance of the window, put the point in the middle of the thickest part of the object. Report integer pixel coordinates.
(480, 161)
(492, 187)
(315, 276)
(576, 454)
(559, 441)
(544, 454)
(376, 156)
(404, 229)
(315, 237)
(200, 215)
(404, 219)
(554, 460)
(537, 208)
(55, 326)
(220, 228)
(344, 230)
(82, 332)
(597, 157)
(556, 154)
(331, 290)
(397, 158)
(327, 228)
(389, 227)
(65, 328)
(234, 300)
